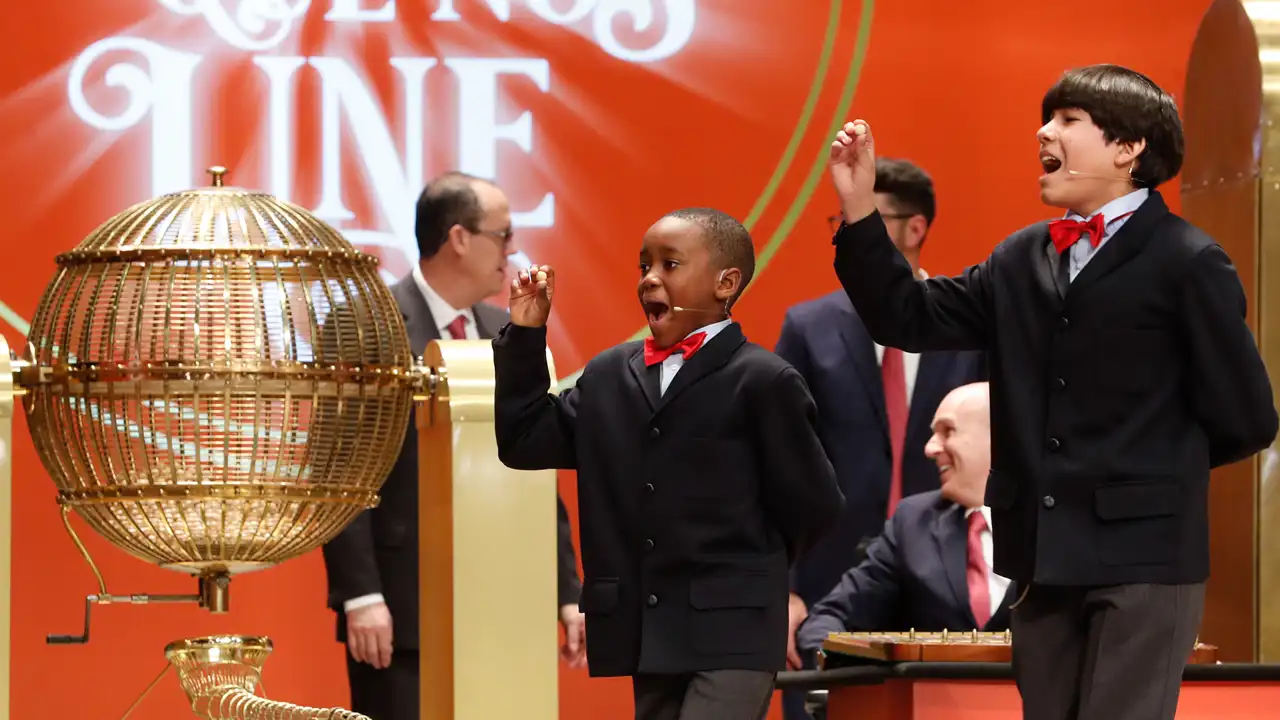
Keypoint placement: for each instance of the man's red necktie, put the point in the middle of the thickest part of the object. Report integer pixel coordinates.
(976, 571)
(687, 347)
(458, 328)
(894, 379)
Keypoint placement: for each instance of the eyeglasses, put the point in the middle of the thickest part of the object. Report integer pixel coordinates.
(503, 236)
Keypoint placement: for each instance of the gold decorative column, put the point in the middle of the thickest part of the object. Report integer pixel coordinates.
(487, 539)
(1231, 189)
(7, 391)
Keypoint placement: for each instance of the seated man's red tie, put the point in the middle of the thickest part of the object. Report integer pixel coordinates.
(894, 379)
(976, 571)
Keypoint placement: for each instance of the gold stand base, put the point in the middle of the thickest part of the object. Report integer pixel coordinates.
(222, 676)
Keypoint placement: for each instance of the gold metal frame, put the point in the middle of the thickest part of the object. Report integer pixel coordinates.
(487, 548)
(327, 399)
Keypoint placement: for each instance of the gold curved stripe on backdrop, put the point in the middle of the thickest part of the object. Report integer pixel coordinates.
(802, 198)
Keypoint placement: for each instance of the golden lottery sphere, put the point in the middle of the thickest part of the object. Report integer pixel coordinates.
(217, 381)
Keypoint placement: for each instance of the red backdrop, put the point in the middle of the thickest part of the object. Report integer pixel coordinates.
(345, 106)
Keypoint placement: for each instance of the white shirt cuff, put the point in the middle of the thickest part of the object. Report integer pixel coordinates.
(363, 601)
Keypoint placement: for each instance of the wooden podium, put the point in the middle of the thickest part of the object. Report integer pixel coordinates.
(487, 542)
(967, 676)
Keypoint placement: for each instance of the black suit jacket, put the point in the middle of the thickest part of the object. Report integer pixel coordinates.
(1111, 398)
(692, 503)
(913, 578)
(824, 339)
(378, 551)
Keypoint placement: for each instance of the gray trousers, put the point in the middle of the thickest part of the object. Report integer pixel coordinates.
(1108, 653)
(712, 695)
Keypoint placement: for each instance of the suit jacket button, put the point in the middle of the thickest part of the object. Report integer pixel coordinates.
(1064, 322)
(1062, 383)
(648, 487)
(654, 433)
(1054, 445)
(652, 601)
(648, 544)
(1048, 501)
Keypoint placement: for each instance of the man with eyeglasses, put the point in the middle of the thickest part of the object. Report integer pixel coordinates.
(875, 404)
(463, 228)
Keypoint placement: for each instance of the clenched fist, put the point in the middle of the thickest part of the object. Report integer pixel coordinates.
(853, 170)
(531, 292)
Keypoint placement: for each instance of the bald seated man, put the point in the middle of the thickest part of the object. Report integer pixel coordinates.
(931, 567)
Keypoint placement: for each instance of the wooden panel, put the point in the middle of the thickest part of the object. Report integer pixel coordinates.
(943, 647)
(902, 699)
(1221, 113)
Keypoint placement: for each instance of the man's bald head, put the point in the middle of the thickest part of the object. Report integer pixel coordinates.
(961, 443)
(972, 404)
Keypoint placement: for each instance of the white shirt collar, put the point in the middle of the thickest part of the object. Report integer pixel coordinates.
(986, 514)
(442, 313)
(1124, 204)
(711, 330)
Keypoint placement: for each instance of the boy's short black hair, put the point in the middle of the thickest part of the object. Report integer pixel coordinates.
(910, 187)
(1128, 107)
(729, 242)
(447, 200)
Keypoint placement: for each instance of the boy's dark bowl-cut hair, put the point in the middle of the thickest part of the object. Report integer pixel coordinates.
(1128, 107)
(727, 239)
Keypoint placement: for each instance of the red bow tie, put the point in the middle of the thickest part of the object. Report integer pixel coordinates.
(687, 347)
(1066, 233)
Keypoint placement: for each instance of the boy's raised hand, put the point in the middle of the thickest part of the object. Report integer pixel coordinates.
(531, 292)
(853, 170)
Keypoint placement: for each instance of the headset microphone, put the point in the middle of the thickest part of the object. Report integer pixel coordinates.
(1099, 177)
(718, 310)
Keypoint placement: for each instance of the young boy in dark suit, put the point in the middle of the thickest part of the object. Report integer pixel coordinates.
(700, 475)
(1122, 371)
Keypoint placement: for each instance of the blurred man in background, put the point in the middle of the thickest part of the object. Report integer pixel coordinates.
(875, 404)
(463, 228)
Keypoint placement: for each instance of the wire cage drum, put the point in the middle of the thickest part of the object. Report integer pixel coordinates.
(217, 381)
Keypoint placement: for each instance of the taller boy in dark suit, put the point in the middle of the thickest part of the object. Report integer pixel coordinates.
(700, 475)
(875, 403)
(1122, 371)
(463, 227)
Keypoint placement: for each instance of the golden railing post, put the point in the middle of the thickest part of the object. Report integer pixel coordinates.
(486, 536)
(8, 399)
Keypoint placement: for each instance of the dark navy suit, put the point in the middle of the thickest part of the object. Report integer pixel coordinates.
(826, 341)
(913, 577)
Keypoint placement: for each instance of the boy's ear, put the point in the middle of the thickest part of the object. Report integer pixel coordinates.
(727, 284)
(1129, 153)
